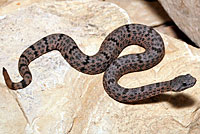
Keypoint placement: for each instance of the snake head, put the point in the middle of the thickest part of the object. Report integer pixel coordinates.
(182, 82)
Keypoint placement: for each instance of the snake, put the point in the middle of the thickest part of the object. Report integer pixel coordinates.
(106, 60)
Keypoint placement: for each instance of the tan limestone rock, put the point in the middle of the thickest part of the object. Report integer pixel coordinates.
(186, 15)
(145, 12)
(12, 118)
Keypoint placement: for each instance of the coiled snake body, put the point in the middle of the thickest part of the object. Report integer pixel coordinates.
(106, 60)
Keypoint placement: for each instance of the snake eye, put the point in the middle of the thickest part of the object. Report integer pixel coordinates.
(184, 84)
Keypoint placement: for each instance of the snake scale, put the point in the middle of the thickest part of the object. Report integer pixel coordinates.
(105, 60)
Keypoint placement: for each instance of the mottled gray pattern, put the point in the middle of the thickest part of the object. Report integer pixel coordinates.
(106, 60)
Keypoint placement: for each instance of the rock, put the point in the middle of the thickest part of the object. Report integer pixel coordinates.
(145, 12)
(186, 15)
(61, 100)
(13, 120)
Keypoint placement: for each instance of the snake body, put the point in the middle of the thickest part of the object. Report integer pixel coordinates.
(106, 60)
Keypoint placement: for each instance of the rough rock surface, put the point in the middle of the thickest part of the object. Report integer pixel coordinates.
(145, 12)
(61, 100)
(186, 15)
